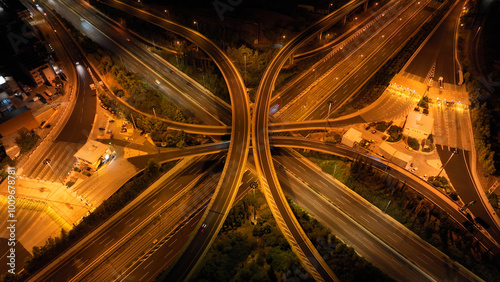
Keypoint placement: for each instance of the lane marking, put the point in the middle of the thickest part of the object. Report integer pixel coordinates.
(137, 219)
(140, 279)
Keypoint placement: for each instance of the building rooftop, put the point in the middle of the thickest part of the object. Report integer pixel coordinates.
(91, 151)
(418, 125)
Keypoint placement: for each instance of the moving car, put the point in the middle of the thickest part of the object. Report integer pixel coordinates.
(203, 226)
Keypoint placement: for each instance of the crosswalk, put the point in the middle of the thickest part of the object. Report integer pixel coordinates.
(391, 106)
(62, 160)
(451, 126)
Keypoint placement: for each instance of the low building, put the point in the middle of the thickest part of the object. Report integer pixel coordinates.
(418, 126)
(9, 85)
(93, 154)
(5, 102)
(351, 137)
(43, 74)
(12, 121)
(390, 153)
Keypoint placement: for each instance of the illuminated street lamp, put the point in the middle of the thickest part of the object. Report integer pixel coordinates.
(329, 7)
(166, 11)
(196, 24)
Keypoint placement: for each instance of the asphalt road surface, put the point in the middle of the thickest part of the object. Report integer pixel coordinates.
(439, 49)
(77, 261)
(458, 170)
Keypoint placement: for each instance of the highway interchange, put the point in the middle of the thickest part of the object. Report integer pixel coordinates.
(235, 169)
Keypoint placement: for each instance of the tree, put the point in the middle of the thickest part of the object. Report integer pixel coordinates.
(152, 169)
(413, 143)
(26, 140)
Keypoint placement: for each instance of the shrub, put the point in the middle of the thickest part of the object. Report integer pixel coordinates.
(413, 143)
(119, 93)
(336, 139)
(382, 126)
(431, 138)
(86, 173)
(394, 133)
(70, 183)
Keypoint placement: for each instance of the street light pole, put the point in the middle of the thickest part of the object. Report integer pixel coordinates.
(47, 162)
(168, 13)
(329, 7)
(245, 73)
(254, 185)
(388, 160)
(258, 32)
(197, 28)
(330, 103)
(442, 168)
